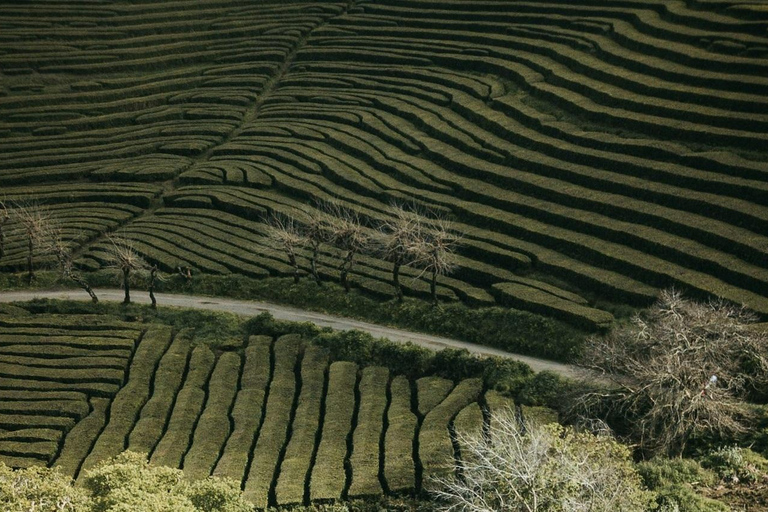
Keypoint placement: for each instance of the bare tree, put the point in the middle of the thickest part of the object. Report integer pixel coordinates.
(546, 468)
(679, 370)
(54, 243)
(314, 233)
(346, 232)
(396, 238)
(124, 258)
(153, 278)
(4, 218)
(283, 232)
(36, 221)
(435, 251)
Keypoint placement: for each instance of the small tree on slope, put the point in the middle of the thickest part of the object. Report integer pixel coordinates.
(679, 370)
(124, 258)
(396, 238)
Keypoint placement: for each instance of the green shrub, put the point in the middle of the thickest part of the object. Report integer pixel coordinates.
(661, 471)
(39, 488)
(674, 480)
(735, 464)
(544, 388)
(681, 498)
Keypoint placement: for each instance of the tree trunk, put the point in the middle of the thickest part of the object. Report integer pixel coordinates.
(30, 259)
(313, 263)
(396, 281)
(2, 239)
(346, 267)
(127, 286)
(152, 277)
(82, 283)
(295, 264)
(433, 287)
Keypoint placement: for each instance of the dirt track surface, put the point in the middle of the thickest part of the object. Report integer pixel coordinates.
(253, 308)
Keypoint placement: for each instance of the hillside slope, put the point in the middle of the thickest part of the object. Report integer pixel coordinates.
(605, 149)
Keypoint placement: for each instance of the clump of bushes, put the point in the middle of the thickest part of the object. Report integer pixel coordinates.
(674, 482)
(736, 464)
(126, 483)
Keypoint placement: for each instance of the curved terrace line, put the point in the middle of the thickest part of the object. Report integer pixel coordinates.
(280, 312)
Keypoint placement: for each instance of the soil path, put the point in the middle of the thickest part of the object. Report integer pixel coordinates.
(280, 312)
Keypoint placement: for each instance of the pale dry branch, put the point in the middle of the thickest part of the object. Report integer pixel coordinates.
(283, 232)
(124, 258)
(435, 251)
(680, 370)
(544, 468)
(396, 237)
(346, 231)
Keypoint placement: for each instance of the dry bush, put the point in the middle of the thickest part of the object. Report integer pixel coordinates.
(679, 370)
(546, 468)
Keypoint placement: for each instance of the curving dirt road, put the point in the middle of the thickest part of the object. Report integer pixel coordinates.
(253, 308)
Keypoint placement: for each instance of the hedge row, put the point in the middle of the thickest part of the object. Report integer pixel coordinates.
(435, 446)
(172, 447)
(248, 409)
(402, 425)
(166, 383)
(368, 433)
(329, 475)
(275, 427)
(305, 429)
(128, 402)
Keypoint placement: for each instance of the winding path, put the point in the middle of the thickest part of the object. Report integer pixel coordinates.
(280, 312)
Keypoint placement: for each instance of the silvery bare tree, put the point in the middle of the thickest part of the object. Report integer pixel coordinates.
(434, 251)
(36, 221)
(346, 231)
(126, 260)
(681, 369)
(542, 468)
(396, 238)
(314, 233)
(284, 232)
(4, 218)
(54, 243)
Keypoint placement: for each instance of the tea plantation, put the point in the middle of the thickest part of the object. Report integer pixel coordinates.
(589, 152)
(272, 413)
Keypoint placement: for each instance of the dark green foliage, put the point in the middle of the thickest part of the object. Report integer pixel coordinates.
(295, 467)
(544, 388)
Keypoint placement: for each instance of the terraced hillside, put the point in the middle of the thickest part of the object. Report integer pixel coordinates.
(275, 415)
(601, 149)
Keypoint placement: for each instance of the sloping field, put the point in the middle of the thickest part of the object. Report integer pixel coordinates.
(58, 375)
(274, 414)
(600, 149)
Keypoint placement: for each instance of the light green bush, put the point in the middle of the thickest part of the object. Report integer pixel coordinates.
(39, 489)
(735, 464)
